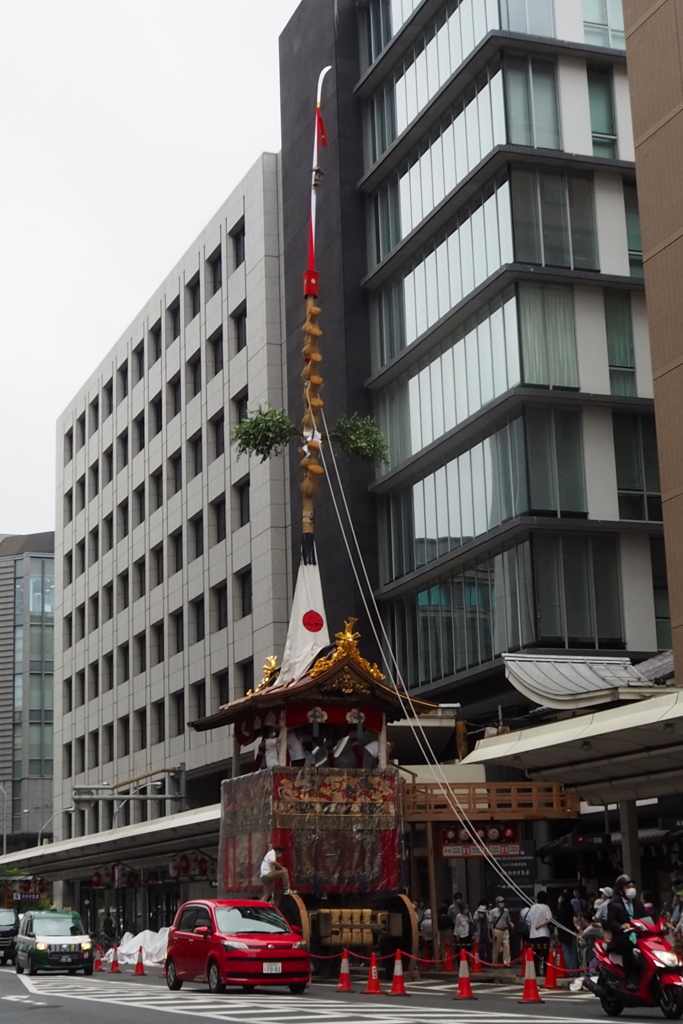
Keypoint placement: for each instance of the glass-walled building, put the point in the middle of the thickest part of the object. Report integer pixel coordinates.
(27, 596)
(507, 350)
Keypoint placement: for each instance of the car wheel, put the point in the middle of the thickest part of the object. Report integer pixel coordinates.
(17, 966)
(671, 1002)
(172, 979)
(298, 988)
(215, 983)
(30, 968)
(87, 971)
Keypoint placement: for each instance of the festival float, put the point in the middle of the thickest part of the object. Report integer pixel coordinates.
(337, 812)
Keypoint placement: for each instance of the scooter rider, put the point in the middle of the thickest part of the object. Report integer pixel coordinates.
(623, 908)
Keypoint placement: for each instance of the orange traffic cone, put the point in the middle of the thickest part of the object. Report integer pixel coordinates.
(373, 988)
(344, 974)
(464, 983)
(139, 966)
(560, 962)
(97, 963)
(530, 993)
(449, 964)
(115, 969)
(550, 972)
(476, 961)
(398, 987)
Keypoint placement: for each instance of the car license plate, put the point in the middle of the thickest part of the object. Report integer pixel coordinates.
(272, 968)
(65, 959)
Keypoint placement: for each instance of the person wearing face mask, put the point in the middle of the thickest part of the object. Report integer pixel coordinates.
(623, 908)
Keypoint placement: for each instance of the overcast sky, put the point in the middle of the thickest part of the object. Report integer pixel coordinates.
(123, 128)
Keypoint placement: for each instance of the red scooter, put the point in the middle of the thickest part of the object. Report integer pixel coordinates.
(659, 972)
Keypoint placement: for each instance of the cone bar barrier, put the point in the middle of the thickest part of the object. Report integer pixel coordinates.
(476, 960)
(97, 964)
(344, 974)
(115, 969)
(373, 987)
(530, 993)
(139, 966)
(398, 986)
(561, 966)
(464, 983)
(449, 964)
(551, 971)
(522, 972)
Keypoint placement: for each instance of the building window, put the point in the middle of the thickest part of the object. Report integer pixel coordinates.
(138, 433)
(68, 631)
(123, 663)
(661, 594)
(122, 380)
(79, 690)
(246, 671)
(94, 415)
(107, 743)
(217, 436)
(80, 558)
(140, 653)
(531, 95)
(603, 122)
(94, 613)
(239, 327)
(155, 343)
(108, 465)
(68, 568)
(80, 431)
(123, 520)
(93, 749)
(122, 450)
(241, 406)
(194, 453)
(79, 755)
(173, 398)
(196, 536)
(138, 362)
(123, 736)
(158, 721)
(193, 301)
(108, 672)
(94, 480)
(175, 552)
(193, 381)
(178, 631)
(123, 591)
(197, 628)
(68, 446)
(531, 17)
(108, 532)
(107, 399)
(619, 325)
(221, 689)
(555, 462)
(245, 592)
(67, 760)
(173, 321)
(215, 349)
(635, 448)
(67, 696)
(178, 712)
(219, 611)
(94, 545)
(175, 474)
(156, 566)
(554, 219)
(107, 602)
(546, 320)
(214, 272)
(238, 239)
(156, 420)
(93, 681)
(635, 242)
(217, 524)
(80, 622)
(198, 700)
(140, 729)
(80, 494)
(68, 506)
(138, 505)
(156, 490)
(157, 645)
(139, 578)
(242, 491)
(603, 23)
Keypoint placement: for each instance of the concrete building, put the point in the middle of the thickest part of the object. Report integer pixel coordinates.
(172, 571)
(27, 594)
(481, 287)
(654, 47)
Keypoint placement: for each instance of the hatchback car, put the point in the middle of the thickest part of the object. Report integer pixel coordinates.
(53, 941)
(235, 942)
(9, 926)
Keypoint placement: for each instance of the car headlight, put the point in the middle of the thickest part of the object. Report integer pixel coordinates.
(42, 946)
(667, 958)
(86, 945)
(299, 945)
(229, 946)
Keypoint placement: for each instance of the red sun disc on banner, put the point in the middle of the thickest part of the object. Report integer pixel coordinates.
(313, 621)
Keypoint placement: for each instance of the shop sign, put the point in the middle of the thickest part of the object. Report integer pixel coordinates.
(521, 870)
(500, 840)
(192, 866)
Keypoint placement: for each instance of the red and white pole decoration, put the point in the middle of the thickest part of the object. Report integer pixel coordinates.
(319, 139)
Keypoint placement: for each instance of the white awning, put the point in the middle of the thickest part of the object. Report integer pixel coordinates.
(627, 753)
(146, 841)
(564, 681)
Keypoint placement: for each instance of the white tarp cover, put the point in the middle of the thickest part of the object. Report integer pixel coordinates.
(153, 947)
(564, 681)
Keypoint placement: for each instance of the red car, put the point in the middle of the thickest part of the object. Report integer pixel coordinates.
(235, 942)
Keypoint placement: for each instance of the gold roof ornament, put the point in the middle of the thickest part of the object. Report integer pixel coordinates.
(346, 647)
(270, 672)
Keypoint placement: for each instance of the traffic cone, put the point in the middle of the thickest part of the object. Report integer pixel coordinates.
(561, 965)
(476, 961)
(550, 972)
(398, 987)
(449, 964)
(464, 983)
(115, 969)
(373, 988)
(139, 966)
(97, 963)
(344, 974)
(530, 993)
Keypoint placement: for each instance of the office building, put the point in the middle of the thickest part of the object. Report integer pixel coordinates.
(481, 286)
(27, 593)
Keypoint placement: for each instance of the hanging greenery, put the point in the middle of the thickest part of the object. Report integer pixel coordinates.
(360, 438)
(263, 432)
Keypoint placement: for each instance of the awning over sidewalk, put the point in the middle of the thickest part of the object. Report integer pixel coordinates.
(564, 681)
(626, 753)
(145, 841)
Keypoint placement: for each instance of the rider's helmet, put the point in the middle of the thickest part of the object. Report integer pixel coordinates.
(622, 881)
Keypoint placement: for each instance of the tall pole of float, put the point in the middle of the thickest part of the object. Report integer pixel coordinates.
(313, 381)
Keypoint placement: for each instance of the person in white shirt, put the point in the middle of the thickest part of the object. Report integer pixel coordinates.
(269, 750)
(271, 870)
(538, 916)
(295, 748)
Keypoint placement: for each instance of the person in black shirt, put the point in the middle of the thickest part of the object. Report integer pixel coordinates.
(623, 908)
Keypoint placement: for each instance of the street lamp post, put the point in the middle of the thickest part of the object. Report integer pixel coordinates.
(44, 826)
(4, 819)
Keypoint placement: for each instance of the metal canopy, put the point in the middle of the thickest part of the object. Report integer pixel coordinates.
(147, 840)
(627, 753)
(560, 681)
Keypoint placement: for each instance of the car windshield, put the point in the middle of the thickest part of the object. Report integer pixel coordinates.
(7, 917)
(250, 921)
(54, 925)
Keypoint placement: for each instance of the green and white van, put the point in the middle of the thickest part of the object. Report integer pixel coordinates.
(51, 940)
